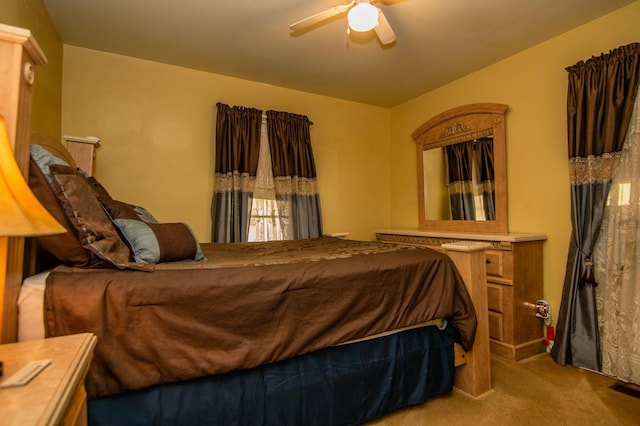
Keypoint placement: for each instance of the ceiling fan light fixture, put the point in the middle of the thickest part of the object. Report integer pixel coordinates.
(363, 17)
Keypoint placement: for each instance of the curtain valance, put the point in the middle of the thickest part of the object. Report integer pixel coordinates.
(600, 101)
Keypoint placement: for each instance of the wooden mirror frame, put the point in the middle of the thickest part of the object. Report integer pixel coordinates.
(464, 123)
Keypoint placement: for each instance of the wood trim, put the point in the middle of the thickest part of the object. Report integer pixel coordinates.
(518, 352)
(76, 414)
(23, 36)
(497, 240)
(453, 126)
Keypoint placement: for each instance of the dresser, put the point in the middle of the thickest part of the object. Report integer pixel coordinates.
(514, 285)
(57, 395)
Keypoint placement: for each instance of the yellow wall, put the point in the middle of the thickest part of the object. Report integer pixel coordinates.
(156, 123)
(534, 84)
(47, 97)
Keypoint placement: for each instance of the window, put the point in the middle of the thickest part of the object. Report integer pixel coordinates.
(264, 224)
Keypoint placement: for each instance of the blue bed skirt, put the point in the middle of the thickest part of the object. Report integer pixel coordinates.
(343, 385)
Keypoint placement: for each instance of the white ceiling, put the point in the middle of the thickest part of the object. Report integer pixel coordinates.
(438, 41)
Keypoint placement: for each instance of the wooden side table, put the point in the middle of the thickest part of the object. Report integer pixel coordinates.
(57, 395)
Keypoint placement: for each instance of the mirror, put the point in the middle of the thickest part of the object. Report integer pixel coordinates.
(461, 159)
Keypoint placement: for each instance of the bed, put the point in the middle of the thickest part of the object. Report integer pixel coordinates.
(319, 331)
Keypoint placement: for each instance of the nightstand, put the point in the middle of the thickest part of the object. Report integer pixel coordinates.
(57, 395)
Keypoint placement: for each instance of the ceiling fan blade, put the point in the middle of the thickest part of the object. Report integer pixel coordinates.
(319, 17)
(383, 30)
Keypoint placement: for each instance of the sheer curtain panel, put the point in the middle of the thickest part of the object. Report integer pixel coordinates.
(265, 216)
(617, 264)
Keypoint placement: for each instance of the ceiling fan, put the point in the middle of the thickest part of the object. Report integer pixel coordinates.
(363, 16)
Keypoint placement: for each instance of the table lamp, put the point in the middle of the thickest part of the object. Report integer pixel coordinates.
(21, 214)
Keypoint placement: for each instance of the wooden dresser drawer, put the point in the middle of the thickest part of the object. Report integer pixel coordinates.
(495, 264)
(495, 295)
(496, 331)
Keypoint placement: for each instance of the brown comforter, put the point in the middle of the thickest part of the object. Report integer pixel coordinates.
(249, 304)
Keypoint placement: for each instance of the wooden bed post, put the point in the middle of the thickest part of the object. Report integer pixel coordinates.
(19, 52)
(474, 377)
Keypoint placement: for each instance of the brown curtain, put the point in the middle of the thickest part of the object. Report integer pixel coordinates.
(460, 170)
(294, 173)
(237, 151)
(484, 154)
(600, 99)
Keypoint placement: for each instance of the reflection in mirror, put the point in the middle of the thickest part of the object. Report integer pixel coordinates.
(435, 184)
(468, 180)
(461, 170)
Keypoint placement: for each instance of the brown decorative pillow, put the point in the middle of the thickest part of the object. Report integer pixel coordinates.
(119, 209)
(100, 190)
(91, 224)
(65, 247)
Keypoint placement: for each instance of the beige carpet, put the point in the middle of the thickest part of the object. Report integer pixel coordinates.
(535, 391)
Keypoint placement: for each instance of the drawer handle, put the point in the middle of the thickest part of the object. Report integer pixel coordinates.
(488, 260)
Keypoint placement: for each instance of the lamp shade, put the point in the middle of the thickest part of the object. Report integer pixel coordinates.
(363, 17)
(21, 214)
